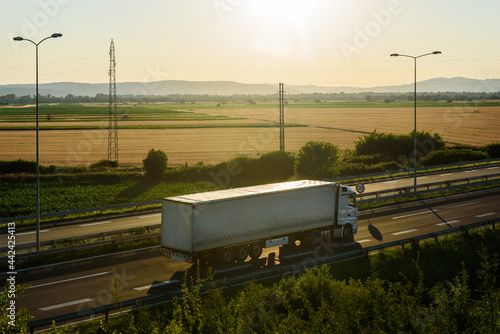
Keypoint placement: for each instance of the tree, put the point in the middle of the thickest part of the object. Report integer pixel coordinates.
(155, 164)
(316, 160)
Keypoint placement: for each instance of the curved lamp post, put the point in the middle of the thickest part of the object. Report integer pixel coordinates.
(415, 112)
(18, 39)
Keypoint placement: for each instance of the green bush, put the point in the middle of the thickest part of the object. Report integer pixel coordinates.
(353, 168)
(369, 159)
(396, 146)
(493, 150)
(451, 156)
(155, 164)
(17, 166)
(103, 164)
(316, 160)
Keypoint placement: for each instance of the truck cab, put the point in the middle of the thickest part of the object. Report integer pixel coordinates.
(348, 212)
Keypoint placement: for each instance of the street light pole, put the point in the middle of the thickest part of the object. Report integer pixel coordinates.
(55, 35)
(415, 111)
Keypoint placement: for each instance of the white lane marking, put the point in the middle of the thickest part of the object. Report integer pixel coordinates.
(404, 232)
(85, 259)
(154, 285)
(79, 301)
(68, 280)
(393, 181)
(470, 171)
(448, 223)
(414, 214)
(33, 232)
(447, 174)
(149, 216)
(356, 242)
(422, 177)
(492, 167)
(460, 205)
(486, 214)
(92, 224)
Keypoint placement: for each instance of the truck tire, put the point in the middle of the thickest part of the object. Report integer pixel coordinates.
(255, 250)
(313, 238)
(227, 256)
(347, 233)
(241, 253)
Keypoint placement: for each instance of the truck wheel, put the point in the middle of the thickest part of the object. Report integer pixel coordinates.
(313, 238)
(255, 250)
(347, 232)
(227, 256)
(241, 253)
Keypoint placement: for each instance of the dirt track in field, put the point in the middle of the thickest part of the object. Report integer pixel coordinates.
(341, 126)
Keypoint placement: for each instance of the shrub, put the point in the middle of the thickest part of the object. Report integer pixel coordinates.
(352, 169)
(370, 159)
(316, 160)
(104, 163)
(276, 165)
(17, 166)
(451, 156)
(493, 150)
(396, 146)
(155, 164)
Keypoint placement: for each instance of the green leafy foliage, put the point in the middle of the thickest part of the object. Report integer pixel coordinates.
(451, 156)
(396, 146)
(493, 150)
(13, 317)
(103, 164)
(155, 164)
(316, 160)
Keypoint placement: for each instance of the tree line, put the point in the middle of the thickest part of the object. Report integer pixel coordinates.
(9, 99)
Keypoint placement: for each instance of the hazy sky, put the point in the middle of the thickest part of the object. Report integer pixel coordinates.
(322, 42)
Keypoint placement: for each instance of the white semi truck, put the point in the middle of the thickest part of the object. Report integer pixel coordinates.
(232, 224)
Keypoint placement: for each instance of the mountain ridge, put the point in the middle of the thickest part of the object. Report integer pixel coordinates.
(166, 87)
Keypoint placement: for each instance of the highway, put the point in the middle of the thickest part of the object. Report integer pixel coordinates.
(77, 285)
(67, 230)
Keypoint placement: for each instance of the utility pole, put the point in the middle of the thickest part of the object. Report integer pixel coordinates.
(112, 117)
(282, 117)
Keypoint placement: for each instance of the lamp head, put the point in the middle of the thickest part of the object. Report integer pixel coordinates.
(18, 38)
(394, 54)
(436, 53)
(56, 35)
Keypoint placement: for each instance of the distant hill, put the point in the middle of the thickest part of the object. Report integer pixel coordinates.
(166, 87)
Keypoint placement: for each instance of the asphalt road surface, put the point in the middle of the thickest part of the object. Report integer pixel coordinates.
(77, 285)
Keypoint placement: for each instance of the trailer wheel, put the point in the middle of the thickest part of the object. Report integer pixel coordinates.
(241, 253)
(227, 255)
(255, 250)
(347, 232)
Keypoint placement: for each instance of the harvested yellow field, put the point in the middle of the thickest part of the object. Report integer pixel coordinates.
(340, 126)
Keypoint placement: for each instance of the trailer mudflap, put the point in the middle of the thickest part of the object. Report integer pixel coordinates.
(178, 256)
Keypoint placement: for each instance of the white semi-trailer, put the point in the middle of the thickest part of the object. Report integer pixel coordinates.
(233, 224)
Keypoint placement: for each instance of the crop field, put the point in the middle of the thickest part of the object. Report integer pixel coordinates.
(76, 134)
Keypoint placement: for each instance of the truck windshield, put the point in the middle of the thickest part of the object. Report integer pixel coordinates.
(352, 200)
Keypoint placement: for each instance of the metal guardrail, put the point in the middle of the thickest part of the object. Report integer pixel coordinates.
(87, 237)
(139, 204)
(80, 211)
(464, 182)
(411, 171)
(162, 298)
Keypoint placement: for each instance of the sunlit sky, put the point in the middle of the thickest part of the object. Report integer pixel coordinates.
(320, 42)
